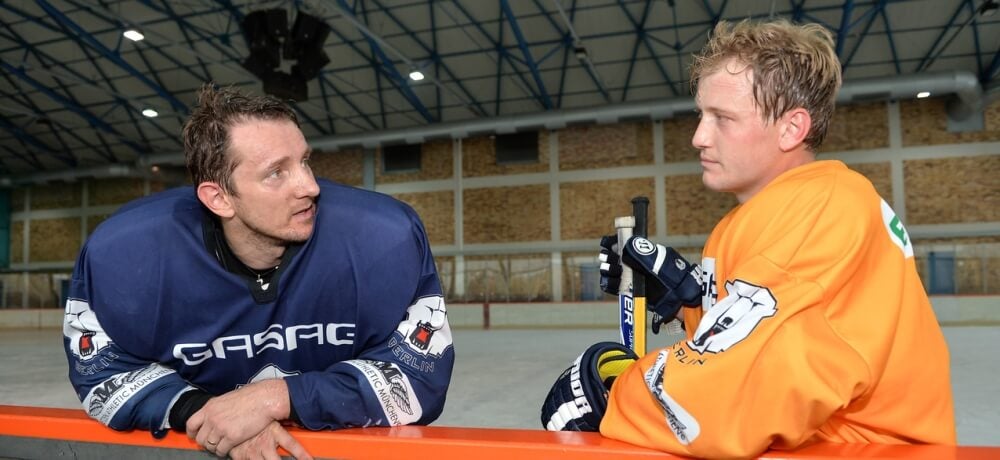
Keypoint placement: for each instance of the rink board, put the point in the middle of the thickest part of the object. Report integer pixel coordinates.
(36, 432)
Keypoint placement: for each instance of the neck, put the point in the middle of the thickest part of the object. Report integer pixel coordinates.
(255, 251)
(791, 160)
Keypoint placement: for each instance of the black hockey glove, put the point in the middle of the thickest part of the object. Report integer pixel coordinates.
(579, 398)
(611, 265)
(671, 281)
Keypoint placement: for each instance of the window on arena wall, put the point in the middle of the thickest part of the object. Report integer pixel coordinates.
(517, 148)
(401, 158)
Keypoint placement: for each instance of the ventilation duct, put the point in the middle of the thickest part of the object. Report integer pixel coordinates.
(967, 100)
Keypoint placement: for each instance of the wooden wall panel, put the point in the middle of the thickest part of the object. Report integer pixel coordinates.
(54, 240)
(958, 241)
(587, 210)
(435, 163)
(479, 158)
(952, 190)
(858, 127)
(881, 176)
(925, 122)
(437, 211)
(345, 166)
(506, 214)
(94, 220)
(112, 191)
(693, 209)
(157, 186)
(17, 242)
(605, 146)
(57, 195)
(677, 134)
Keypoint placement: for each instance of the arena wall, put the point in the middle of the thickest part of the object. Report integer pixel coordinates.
(527, 232)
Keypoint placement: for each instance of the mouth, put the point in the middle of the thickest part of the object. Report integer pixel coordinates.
(306, 213)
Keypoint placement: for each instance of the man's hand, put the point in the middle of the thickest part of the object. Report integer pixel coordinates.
(611, 265)
(265, 445)
(671, 281)
(231, 419)
(579, 397)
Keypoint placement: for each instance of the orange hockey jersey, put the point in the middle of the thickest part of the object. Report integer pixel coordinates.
(814, 326)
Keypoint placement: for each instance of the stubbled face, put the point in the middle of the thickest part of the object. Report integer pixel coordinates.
(275, 191)
(740, 153)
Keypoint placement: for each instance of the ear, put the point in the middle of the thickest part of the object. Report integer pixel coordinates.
(795, 126)
(215, 199)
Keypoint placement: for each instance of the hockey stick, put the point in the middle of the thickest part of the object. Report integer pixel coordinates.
(626, 306)
(640, 206)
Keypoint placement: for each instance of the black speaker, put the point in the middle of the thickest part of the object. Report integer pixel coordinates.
(267, 35)
(308, 33)
(285, 86)
(260, 64)
(262, 27)
(310, 63)
(277, 23)
(264, 30)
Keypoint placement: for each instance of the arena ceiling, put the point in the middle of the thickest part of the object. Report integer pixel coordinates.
(74, 89)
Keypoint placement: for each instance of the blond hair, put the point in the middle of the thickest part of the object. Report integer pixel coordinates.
(792, 66)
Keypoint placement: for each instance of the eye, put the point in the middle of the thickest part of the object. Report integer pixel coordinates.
(274, 174)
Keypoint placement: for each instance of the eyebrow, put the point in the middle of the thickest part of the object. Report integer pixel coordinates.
(277, 161)
(717, 110)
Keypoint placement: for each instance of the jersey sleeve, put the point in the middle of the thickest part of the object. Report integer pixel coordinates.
(397, 378)
(764, 368)
(116, 387)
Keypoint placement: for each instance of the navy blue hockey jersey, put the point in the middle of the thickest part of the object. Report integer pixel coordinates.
(358, 328)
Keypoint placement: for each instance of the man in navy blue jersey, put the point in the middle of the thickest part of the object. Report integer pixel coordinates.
(257, 298)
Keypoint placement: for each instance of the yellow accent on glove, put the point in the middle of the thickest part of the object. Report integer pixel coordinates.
(612, 363)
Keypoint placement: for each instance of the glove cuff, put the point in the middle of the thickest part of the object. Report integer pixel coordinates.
(579, 397)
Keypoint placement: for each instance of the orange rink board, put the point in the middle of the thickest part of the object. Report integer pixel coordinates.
(36, 432)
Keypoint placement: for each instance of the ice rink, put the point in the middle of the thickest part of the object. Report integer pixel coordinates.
(501, 376)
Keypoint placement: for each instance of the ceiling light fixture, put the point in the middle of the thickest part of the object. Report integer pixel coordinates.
(923, 94)
(416, 75)
(133, 35)
(149, 113)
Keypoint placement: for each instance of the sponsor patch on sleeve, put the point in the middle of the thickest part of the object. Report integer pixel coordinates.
(393, 389)
(108, 397)
(684, 426)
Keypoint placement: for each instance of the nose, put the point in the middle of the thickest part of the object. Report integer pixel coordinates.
(700, 140)
(307, 186)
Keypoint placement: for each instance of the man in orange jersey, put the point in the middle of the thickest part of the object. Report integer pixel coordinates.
(813, 324)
